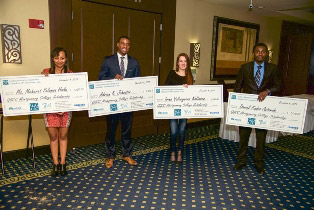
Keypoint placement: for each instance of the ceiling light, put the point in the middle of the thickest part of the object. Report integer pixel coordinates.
(251, 6)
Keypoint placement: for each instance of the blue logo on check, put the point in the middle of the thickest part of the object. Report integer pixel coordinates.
(5, 82)
(251, 121)
(233, 97)
(158, 90)
(33, 107)
(177, 112)
(91, 86)
(113, 107)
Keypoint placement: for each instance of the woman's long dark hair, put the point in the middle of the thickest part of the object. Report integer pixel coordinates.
(55, 52)
(188, 73)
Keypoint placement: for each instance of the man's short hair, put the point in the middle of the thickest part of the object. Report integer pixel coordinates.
(123, 37)
(260, 44)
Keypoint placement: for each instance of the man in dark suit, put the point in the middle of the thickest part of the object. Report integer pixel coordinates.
(262, 78)
(119, 66)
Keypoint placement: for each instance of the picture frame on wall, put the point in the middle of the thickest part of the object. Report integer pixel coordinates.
(232, 45)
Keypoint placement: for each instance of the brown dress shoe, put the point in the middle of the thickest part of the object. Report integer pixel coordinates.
(260, 169)
(130, 161)
(109, 162)
(239, 166)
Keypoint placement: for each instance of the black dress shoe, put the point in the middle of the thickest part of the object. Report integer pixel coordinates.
(63, 170)
(55, 170)
(260, 169)
(239, 166)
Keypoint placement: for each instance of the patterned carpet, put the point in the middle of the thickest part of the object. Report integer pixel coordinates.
(205, 179)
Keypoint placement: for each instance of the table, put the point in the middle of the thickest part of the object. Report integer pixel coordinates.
(231, 132)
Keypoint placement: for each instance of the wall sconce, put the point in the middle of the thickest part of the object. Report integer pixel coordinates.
(11, 44)
(195, 54)
(270, 56)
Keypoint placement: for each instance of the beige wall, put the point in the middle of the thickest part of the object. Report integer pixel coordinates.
(194, 23)
(35, 44)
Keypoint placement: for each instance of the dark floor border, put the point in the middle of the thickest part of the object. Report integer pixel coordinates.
(203, 123)
(24, 153)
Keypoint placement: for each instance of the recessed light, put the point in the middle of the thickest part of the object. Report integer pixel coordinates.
(260, 7)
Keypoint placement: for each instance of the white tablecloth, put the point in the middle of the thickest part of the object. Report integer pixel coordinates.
(231, 132)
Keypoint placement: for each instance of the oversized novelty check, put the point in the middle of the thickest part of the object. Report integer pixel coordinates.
(196, 101)
(274, 113)
(35, 94)
(117, 96)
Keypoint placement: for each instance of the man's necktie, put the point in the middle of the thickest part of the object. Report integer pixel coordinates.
(258, 75)
(122, 69)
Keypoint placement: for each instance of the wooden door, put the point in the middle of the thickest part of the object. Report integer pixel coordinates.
(310, 86)
(295, 76)
(95, 31)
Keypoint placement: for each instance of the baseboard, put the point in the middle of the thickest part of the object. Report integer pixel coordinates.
(203, 123)
(24, 153)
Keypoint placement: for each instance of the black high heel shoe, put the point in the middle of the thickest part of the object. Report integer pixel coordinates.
(63, 170)
(55, 170)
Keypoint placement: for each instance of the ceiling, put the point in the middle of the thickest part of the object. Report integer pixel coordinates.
(301, 11)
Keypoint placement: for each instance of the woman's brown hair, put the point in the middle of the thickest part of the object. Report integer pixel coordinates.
(188, 73)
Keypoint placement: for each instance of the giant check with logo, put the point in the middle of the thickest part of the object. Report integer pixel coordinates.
(35, 94)
(196, 101)
(117, 96)
(274, 113)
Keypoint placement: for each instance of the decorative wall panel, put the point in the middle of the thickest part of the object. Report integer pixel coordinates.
(11, 44)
